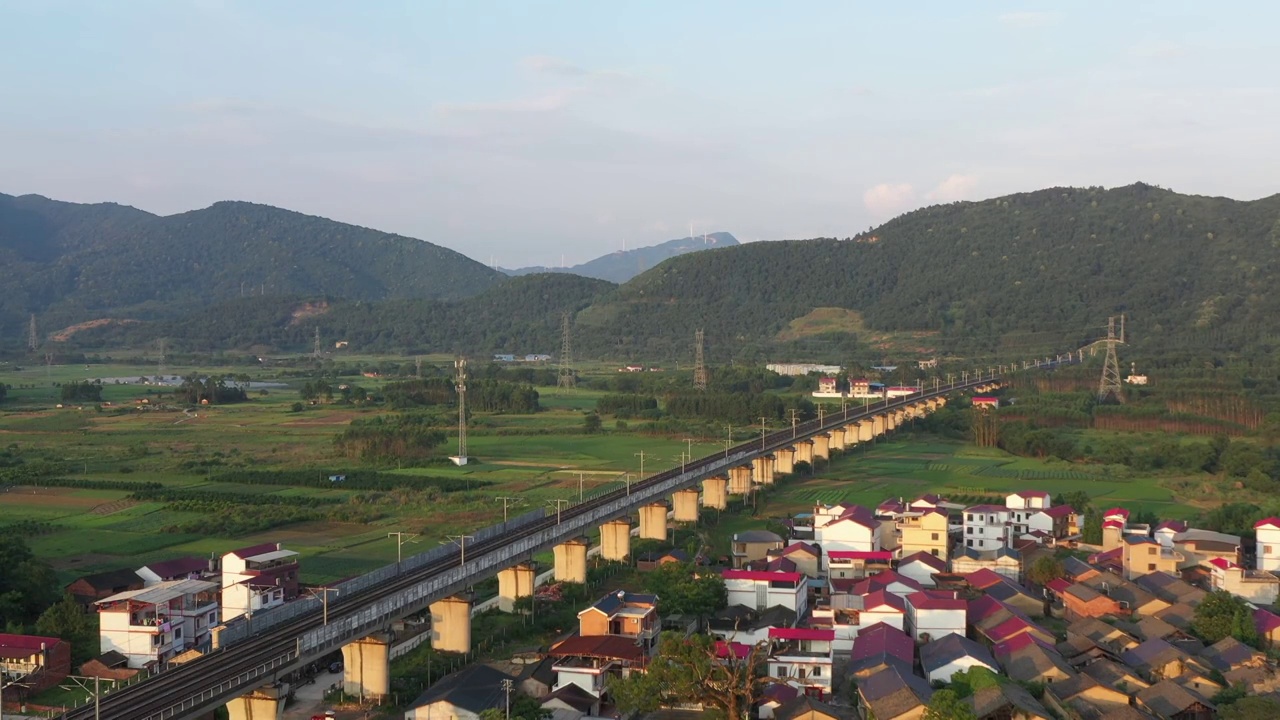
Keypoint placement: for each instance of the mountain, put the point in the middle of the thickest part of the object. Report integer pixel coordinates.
(68, 262)
(999, 279)
(621, 266)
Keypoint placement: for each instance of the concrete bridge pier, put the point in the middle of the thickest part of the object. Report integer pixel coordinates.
(804, 452)
(514, 583)
(838, 439)
(866, 431)
(878, 424)
(615, 540)
(685, 504)
(366, 663)
(265, 703)
(784, 461)
(740, 480)
(450, 625)
(761, 470)
(715, 492)
(653, 521)
(571, 560)
(822, 446)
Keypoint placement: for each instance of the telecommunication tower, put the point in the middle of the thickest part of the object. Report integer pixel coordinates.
(1110, 385)
(32, 341)
(699, 367)
(566, 378)
(461, 366)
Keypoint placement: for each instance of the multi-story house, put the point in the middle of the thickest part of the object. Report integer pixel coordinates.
(854, 528)
(802, 658)
(33, 663)
(858, 612)
(257, 578)
(932, 614)
(1022, 505)
(922, 567)
(763, 589)
(1058, 522)
(858, 564)
(752, 545)
(1142, 555)
(986, 527)
(151, 625)
(924, 531)
(629, 615)
(1268, 533)
(187, 568)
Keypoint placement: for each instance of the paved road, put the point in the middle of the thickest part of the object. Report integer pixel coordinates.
(308, 700)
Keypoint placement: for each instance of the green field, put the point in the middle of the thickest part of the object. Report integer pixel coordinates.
(540, 458)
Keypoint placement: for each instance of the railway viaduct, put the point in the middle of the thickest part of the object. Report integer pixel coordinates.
(252, 655)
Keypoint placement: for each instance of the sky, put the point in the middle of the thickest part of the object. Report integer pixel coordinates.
(529, 132)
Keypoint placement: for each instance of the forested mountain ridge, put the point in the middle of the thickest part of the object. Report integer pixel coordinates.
(1001, 278)
(74, 262)
(621, 266)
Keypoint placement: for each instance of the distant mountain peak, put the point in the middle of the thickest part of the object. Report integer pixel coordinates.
(620, 266)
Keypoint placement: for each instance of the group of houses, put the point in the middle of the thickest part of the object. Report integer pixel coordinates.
(157, 614)
(894, 601)
(831, 386)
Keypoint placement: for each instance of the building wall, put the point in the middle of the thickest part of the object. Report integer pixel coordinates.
(1257, 592)
(919, 572)
(1145, 558)
(592, 623)
(1268, 548)
(440, 710)
(929, 535)
(137, 643)
(944, 673)
(936, 623)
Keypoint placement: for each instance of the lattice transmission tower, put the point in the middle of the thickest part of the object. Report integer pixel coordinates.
(699, 367)
(566, 378)
(315, 346)
(33, 341)
(1110, 385)
(461, 366)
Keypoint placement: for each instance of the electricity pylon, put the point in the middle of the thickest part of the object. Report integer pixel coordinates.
(566, 378)
(1110, 385)
(699, 368)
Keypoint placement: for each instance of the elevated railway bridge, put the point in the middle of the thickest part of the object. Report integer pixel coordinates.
(252, 655)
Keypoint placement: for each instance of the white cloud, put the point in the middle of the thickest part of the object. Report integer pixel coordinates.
(549, 101)
(1159, 50)
(888, 199)
(1029, 19)
(956, 187)
(551, 65)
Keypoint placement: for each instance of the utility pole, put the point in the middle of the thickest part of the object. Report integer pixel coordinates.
(324, 598)
(566, 377)
(559, 506)
(1110, 385)
(763, 427)
(699, 367)
(581, 481)
(162, 370)
(461, 542)
(507, 502)
(793, 422)
(641, 456)
(728, 441)
(417, 367)
(626, 478)
(507, 685)
(401, 539)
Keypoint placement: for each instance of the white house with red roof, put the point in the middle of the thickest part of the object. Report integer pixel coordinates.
(855, 528)
(1028, 500)
(933, 614)
(986, 527)
(1057, 522)
(921, 567)
(257, 578)
(856, 564)
(1259, 587)
(763, 589)
(857, 612)
(1268, 534)
(807, 557)
(803, 658)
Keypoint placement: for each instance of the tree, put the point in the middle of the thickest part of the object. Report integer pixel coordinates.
(591, 423)
(1222, 615)
(81, 392)
(1077, 499)
(1092, 531)
(1045, 570)
(947, 705)
(681, 589)
(1251, 708)
(689, 670)
(4, 390)
(523, 707)
(27, 585)
(66, 620)
(970, 681)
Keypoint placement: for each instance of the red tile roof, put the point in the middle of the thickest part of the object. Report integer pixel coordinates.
(882, 639)
(927, 601)
(1118, 511)
(799, 547)
(984, 578)
(1272, 521)
(987, 508)
(1059, 511)
(1178, 526)
(928, 559)
(26, 642)
(1010, 628)
(876, 601)
(1222, 563)
(1016, 643)
(736, 649)
(1059, 585)
(858, 515)
(981, 608)
(1113, 523)
(1265, 621)
(613, 647)
(761, 575)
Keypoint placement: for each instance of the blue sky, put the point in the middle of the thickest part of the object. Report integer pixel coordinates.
(530, 131)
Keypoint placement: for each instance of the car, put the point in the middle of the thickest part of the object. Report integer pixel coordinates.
(335, 667)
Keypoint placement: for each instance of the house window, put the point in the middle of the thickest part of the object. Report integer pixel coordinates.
(782, 671)
(969, 542)
(968, 531)
(970, 517)
(1266, 550)
(177, 634)
(935, 536)
(1151, 567)
(935, 552)
(980, 531)
(817, 672)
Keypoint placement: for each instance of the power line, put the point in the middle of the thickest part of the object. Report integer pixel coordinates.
(566, 377)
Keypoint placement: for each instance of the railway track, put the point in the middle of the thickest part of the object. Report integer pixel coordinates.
(258, 660)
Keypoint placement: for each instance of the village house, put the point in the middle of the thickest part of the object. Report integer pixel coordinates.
(828, 387)
(33, 663)
(802, 657)
(844, 564)
(1058, 523)
(889, 580)
(1094, 638)
(752, 545)
(1166, 531)
(878, 646)
(463, 695)
(807, 557)
(91, 588)
(1005, 561)
(1081, 601)
(925, 532)
(1170, 588)
(1267, 624)
(1267, 532)
(1064, 696)
(1022, 505)
(187, 568)
(1170, 701)
(151, 625)
(1112, 674)
(1156, 660)
(762, 589)
(738, 623)
(986, 527)
(879, 607)
(1027, 659)
(1201, 546)
(995, 622)
(1006, 701)
(589, 661)
(893, 693)
(773, 697)
(629, 615)
(257, 578)
(806, 707)
(985, 402)
(1131, 597)
(650, 561)
(954, 653)
(1256, 586)
(1142, 555)
(854, 528)
(1008, 592)
(921, 567)
(931, 614)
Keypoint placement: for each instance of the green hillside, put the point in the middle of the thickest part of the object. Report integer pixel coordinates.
(68, 262)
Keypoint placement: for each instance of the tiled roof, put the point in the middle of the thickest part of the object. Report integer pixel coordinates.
(1059, 511)
(1032, 494)
(1222, 563)
(620, 599)
(800, 547)
(476, 688)
(761, 575)
(893, 692)
(1150, 654)
(1176, 526)
(925, 601)
(1265, 621)
(1059, 585)
(756, 536)
(1116, 511)
(952, 647)
(599, 646)
(881, 599)
(25, 643)
(1168, 699)
(1228, 654)
(1272, 521)
(179, 567)
(860, 555)
(984, 578)
(776, 633)
(987, 509)
(927, 558)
